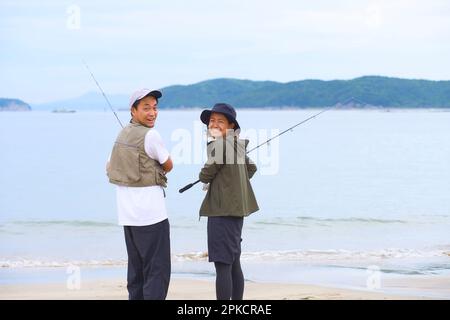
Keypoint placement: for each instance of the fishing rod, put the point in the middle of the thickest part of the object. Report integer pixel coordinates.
(103, 93)
(190, 185)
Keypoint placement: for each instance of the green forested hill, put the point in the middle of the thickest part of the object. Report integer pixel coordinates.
(362, 92)
(367, 91)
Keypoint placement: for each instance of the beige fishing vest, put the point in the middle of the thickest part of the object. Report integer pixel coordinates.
(129, 164)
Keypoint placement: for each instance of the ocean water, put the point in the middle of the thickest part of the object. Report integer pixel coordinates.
(346, 192)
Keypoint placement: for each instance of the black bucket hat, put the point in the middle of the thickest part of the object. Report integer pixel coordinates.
(223, 108)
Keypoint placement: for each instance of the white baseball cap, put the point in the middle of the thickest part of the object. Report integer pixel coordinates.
(139, 94)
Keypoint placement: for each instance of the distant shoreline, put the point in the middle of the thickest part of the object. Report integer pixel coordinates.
(401, 109)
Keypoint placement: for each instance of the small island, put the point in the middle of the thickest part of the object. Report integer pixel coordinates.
(13, 105)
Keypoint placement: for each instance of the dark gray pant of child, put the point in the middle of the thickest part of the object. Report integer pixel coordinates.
(148, 249)
(229, 281)
(224, 249)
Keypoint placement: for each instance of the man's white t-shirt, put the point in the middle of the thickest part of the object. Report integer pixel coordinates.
(142, 206)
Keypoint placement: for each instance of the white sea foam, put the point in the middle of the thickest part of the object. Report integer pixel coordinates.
(325, 255)
(29, 263)
(263, 256)
(341, 254)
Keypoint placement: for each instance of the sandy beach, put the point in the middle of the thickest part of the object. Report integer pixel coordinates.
(190, 289)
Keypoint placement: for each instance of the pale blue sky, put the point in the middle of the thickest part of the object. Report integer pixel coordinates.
(132, 44)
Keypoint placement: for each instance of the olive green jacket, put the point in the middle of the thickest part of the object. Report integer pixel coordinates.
(230, 192)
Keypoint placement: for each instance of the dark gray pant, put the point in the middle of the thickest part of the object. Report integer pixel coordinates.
(148, 249)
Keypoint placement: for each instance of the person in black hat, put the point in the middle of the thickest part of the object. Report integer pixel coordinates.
(220, 110)
(229, 199)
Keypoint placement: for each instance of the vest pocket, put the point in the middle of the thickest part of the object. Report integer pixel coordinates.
(125, 165)
(161, 179)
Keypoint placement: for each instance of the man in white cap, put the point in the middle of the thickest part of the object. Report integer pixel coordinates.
(138, 166)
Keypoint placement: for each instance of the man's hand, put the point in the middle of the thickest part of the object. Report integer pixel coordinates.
(168, 165)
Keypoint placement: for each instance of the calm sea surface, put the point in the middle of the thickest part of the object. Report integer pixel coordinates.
(345, 191)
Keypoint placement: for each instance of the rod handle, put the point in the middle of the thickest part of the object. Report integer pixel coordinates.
(187, 187)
